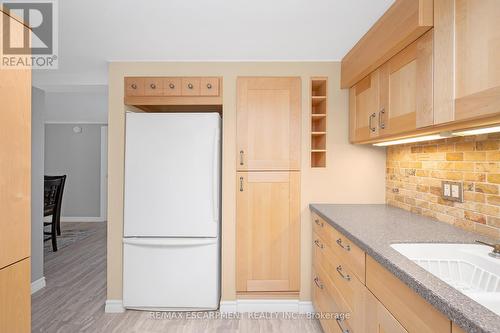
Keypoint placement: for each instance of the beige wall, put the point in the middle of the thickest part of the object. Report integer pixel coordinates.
(354, 174)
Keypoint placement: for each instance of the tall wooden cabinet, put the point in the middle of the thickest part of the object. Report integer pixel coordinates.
(15, 193)
(268, 185)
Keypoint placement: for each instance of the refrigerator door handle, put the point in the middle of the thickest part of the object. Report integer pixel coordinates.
(169, 242)
(215, 176)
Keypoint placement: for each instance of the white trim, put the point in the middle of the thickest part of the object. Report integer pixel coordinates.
(104, 172)
(82, 219)
(266, 305)
(38, 284)
(76, 122)
(114, 306)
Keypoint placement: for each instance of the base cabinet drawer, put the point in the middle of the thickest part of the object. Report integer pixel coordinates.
(411, 310)
(335, 316)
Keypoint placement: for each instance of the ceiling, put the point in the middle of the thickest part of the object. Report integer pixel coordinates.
(95, 32)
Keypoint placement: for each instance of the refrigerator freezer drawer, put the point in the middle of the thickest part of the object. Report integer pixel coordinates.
(171, 273)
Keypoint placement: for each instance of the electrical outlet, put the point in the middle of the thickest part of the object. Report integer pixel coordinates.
(452, 191)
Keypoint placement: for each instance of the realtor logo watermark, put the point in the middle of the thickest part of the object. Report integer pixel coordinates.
(29, 34)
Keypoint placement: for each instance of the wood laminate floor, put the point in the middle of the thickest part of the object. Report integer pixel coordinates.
(73, 300)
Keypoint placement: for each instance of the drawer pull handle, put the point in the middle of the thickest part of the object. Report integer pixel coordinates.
(341, 326)
(318, 283)
(316, 220)
(345, 247)
(171, 85)
(209, 86)
(346, 276)
(153, 86)
(134, 86)
(241, 184)
(318, 244)
(190, 85)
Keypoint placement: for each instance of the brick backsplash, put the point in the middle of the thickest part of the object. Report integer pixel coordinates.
(415, 171)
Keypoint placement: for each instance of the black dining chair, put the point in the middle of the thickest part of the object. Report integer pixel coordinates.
(53, 193)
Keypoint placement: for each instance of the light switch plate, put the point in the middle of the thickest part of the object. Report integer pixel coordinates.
(452, 191)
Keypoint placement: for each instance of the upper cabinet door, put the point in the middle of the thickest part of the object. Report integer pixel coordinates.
(477, 58)
(406, 89)
(364, 108)
(467, 53)
(268, 123)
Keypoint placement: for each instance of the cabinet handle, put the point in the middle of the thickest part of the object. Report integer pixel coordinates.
(241, 184)
(241, 157)
(171, 85)
(153, 86)
(318, 283)
(209, 86)
(190, 85)
(344, 276)
(381, 122)
(318, 244)
(345, 247)
(316, 220)
(341, 325)
(372, 116)
(134, 86)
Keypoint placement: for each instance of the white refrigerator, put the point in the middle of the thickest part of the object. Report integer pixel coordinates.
(171, 239)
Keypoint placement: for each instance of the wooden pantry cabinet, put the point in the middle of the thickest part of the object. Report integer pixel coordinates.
(348, 281)
(268, 123)
(15, 191)
(268, 187)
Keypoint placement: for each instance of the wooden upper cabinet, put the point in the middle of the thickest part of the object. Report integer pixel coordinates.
(467, 71)
(364, 108)
(268, 123)
(406, 89)
(268, 231)
(402, 23)
(396, 98)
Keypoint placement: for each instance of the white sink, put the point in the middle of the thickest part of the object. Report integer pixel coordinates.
(466, 267)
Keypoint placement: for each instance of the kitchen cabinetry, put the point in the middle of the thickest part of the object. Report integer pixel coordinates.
(467, 71)
(268, 186)
(268, 123)
(15, 297)
(397, 97)
(268, 219)
(15, 190)
(442, 79)
(158, 94)
(347, 280)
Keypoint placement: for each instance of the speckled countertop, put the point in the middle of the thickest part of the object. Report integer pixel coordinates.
(375, 227)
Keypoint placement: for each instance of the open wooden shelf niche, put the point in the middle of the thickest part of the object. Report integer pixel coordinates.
(319, 99)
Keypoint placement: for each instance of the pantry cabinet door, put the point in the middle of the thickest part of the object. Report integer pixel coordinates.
(267, 231)
(268, 123)
(406, 89)
(364, 108)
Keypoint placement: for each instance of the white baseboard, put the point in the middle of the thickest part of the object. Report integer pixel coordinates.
(82, 219)
(114, 306)
(266, 305)
(38, 284)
